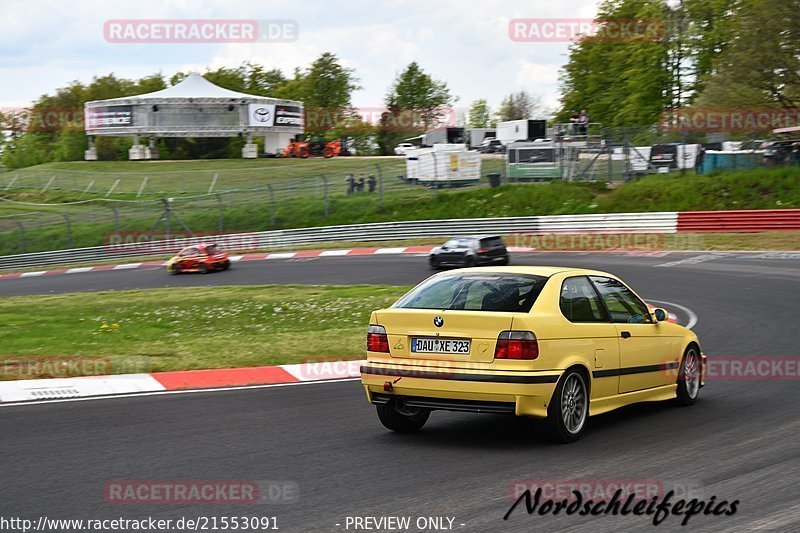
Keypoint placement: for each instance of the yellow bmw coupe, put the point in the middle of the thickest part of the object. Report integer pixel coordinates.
(559, 344)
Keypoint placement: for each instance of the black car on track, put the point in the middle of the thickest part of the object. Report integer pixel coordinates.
(470, 251)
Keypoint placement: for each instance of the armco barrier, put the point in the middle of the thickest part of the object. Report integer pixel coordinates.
(739, 221)
(661, 222)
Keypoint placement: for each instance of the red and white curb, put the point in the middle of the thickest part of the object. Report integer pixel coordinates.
(234, 258)
(28, 390)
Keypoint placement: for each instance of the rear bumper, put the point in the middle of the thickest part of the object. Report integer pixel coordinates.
(520, 393)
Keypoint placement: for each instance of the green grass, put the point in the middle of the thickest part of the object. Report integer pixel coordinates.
(175, 177)
(189, 328)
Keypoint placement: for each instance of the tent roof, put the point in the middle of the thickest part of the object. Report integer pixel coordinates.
(194, 86)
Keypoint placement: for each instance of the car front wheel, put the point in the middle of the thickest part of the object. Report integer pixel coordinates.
(689, 377)
(402, 419)
(568, 409)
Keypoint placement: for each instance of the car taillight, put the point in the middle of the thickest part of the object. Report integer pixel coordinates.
(516, 345)
(483, 250)
(377, 341)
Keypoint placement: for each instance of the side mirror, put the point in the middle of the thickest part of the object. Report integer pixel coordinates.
(660, 314)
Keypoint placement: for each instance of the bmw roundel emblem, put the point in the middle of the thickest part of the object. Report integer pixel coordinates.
(438, 321)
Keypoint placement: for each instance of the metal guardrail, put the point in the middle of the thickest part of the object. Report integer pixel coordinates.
(661, 222)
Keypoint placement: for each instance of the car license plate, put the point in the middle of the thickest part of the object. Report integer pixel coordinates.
(436, 345)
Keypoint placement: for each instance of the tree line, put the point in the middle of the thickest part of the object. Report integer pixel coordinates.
(414, 102)
(709, 54)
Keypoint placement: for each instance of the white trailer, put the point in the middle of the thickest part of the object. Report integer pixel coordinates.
(443, 165)
(475, 136)
(521, 130)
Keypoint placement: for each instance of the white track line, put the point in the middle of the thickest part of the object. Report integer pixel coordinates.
(127, 265)
(692, 316)
(166, 392)
(79, 269)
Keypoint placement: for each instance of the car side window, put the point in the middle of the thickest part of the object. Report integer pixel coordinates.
(624, 306)
(579, 301)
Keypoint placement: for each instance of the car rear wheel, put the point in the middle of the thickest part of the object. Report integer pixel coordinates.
(689, 377)
(435, 265)
(173, 269)
(469, 261)
(568, 409)
(203, 268)
(402, 419)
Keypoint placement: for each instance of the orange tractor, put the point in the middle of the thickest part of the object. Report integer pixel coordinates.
(304, 149)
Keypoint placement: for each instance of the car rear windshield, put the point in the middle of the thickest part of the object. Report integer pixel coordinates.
(492, 242)
(499, 292)
(457, 243)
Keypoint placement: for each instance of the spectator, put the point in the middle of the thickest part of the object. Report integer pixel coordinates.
(361, 184)
(573, 122)
(583, 122)
(351, 183)
(769, 153)
(371, 182)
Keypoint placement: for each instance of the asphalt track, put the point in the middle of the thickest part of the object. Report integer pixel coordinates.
(739, 442)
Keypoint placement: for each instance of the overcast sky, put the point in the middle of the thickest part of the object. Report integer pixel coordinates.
(44, 44)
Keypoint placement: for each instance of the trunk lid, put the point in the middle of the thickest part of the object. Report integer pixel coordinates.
(480, 328)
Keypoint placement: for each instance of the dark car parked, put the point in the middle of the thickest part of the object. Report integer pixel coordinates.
(491, 146)
(470, 251)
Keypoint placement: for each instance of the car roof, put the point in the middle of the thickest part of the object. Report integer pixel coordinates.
(199, 245)
(545, 271)
(478, 237)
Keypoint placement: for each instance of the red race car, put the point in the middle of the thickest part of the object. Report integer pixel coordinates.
(201, 258)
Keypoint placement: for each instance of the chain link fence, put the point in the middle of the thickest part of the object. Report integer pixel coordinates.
(47, 209)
